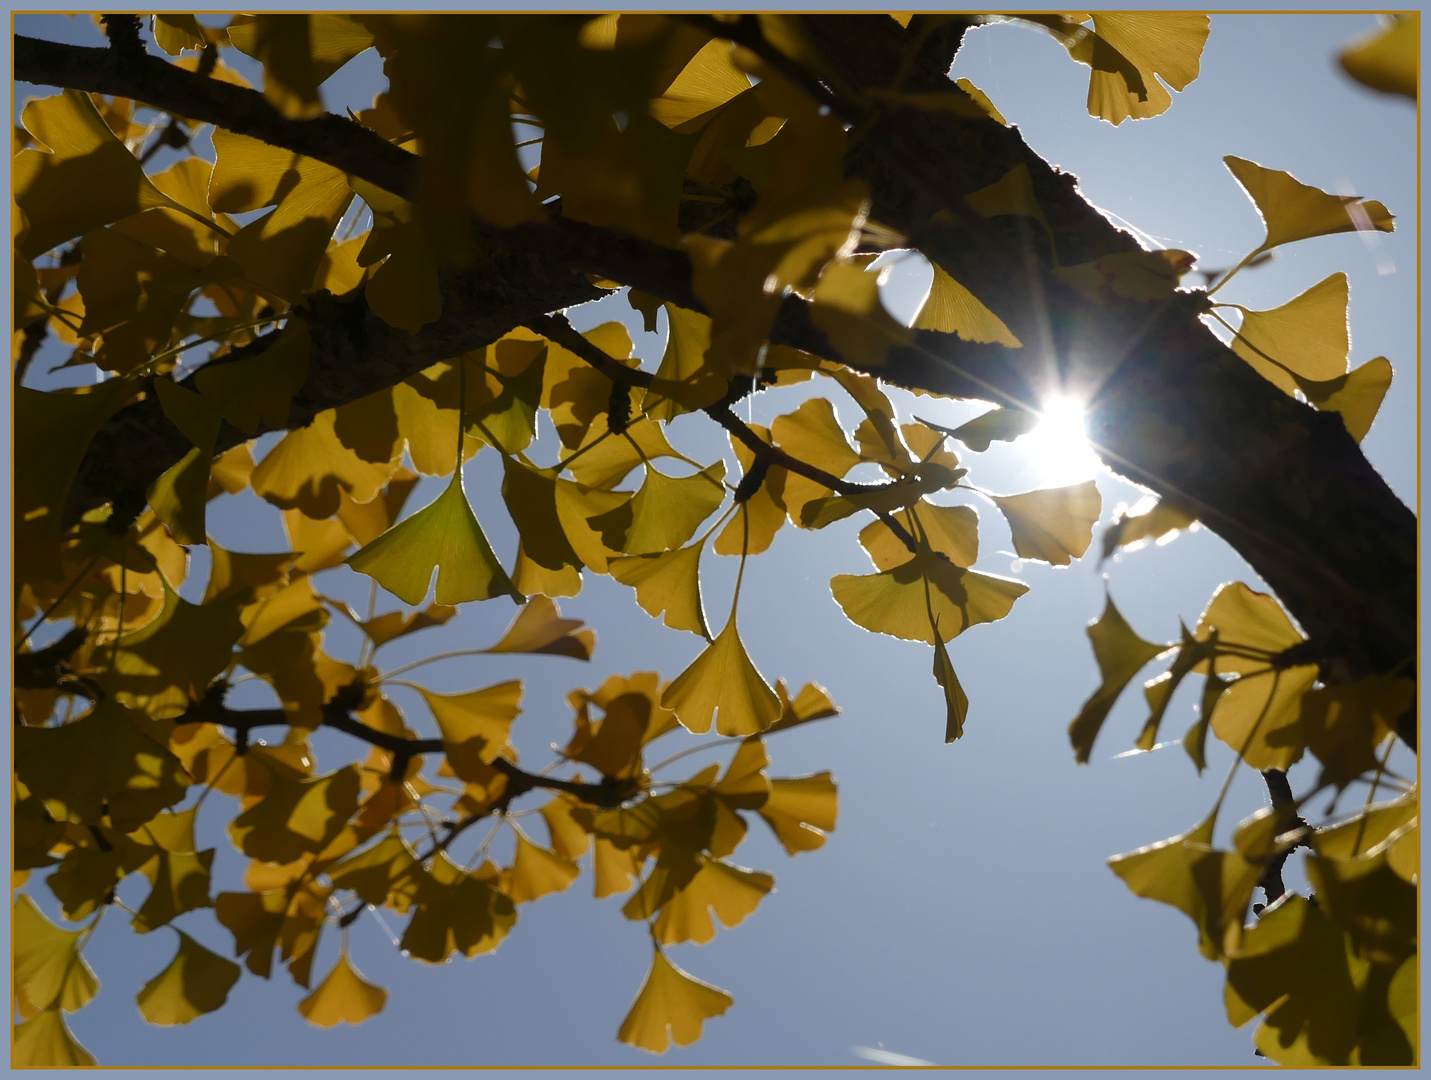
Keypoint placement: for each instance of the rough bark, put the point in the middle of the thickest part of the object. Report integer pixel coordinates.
(1169, 406)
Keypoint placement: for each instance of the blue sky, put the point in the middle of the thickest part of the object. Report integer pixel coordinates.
(962, 912)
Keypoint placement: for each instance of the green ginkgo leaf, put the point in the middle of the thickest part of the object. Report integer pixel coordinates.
(442, 536)
(723, 683)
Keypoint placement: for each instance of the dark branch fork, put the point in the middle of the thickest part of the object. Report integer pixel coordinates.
(1284, 485)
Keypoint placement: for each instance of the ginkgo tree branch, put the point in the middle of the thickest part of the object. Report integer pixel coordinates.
(337, 714)
(1286, 486)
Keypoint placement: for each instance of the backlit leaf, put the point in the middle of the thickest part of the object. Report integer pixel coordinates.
(343, 997)
(732, 892)
(475, 725)
(1386, 58)
(665, 512)
(1250, 620)
(196, 982)
(460, 912)
(45, 1040)
(899, 600)
(537, 871)
(86, 180)
(101, 763)
(667, 582)
(297, 816)
(1056, 524)
(952, 531)
(1213, 888)
(956, 702)
(801, 811)
(1002, 425)
(540, 628)
(1293, 210)
(952, 309)
(442, 536)
(1121, 654)
(49, 971)
(1357, 395)
(1307, 334)
(181, 883)
(722, 680)
(671, 1005)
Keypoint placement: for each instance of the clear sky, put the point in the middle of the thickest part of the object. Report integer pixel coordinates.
(962, 912)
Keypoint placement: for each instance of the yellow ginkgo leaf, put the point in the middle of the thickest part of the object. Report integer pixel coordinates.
(952, 309)
(181, 883)
(1012, 193)
(387, 873)
(196, 982)
(812, 703)
(104, 762)
(297, 816)
(1295, 968)
(956, 702)
(459, 912)
(49, 971)
(1054, 525)
(950, 530)
(1357, 395)
(604, 462)
(899, 601)
(722, 680)
(1293, 210)
(475, 725)
(1162, 46)
(686, 379)
(801, 810)
(753, 528)
(260, 389)
(311, 470)
(540, 628)
(1386, 59)
(442, 536)
(847, 308)
(1250, 620)
(669, 582)
(297, 53)
(1121, 654)
(576, 506)
(665, 512)
(537, 871)
(1345, 725)
(280, 251)
(45, 1040)
(1213, 888)
(344, 997)
(671, 1005)
(706, 83)
(732, 892)
(1306, 336)
(1259, 716)
(570, 839)
(86, 179)
(812, 433)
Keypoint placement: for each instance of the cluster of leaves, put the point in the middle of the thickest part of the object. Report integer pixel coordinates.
(660, 128)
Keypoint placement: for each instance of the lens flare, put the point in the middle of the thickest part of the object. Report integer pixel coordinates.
(1058, 447)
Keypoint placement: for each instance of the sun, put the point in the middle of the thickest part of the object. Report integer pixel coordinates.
(1057, 448)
